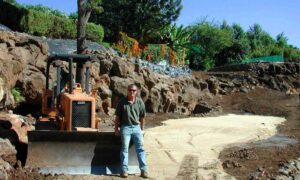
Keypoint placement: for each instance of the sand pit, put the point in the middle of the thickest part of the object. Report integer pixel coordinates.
(189, 148)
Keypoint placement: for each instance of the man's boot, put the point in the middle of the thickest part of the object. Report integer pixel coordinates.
(124, 175)
(144, 174)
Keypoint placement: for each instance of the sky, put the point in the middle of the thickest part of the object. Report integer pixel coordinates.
(274, 16)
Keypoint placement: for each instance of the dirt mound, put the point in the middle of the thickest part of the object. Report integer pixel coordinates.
(243, 154)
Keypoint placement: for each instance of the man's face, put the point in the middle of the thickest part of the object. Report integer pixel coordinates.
(132, 92)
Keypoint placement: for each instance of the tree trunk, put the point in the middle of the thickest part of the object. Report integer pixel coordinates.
(83, 17)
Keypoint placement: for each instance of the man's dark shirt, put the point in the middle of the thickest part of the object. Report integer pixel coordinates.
(130, 114)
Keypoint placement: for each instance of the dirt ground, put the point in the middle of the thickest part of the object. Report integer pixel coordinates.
(244, 163)
(241, 162)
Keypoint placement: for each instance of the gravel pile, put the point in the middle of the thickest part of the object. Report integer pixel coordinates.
(165, 68)
(67, 46)
(4, 28)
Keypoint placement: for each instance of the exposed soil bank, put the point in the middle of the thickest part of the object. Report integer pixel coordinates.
(263, 162)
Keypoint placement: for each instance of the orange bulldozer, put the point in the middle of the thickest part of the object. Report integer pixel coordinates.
(66, 139)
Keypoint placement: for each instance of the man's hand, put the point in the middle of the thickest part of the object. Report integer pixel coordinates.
(117, 132)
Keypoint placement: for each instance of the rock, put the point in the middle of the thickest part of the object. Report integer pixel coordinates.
(223, 92)
(32, 85)
(297, 176)
(105, 66)
(6, 148)
(5, 169)
(190, 97)
(106, 105)
(18, 128)
(284, 172)
(144, 93)
(168, 99)
(282, 177)
(149, 77)
(7, 151)
(213, 85)
(23, 65)
(3, 46)
(122, 68)
(273, 84)
(154, 99)
(202, 108)
(119, 85)
(203, 85)
(104, 80)
(22, 51)
(2, 89)
(104, 92)
(245, 90)
(297, 165)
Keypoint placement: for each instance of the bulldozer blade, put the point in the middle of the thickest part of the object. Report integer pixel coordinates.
(61, 152)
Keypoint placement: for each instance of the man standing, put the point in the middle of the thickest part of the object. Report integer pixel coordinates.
(129, 123)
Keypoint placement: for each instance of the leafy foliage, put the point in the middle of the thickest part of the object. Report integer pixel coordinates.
(211, 39)
(127, 45)
(10, 1)
(18, 98)
(45, 9)
(106, 44)
(73, 16)
(205, 44)
(150, 52)
(224, 44)
(140, 19)
(37, 22)
(94, 32)
(177, 38)
(157, 52)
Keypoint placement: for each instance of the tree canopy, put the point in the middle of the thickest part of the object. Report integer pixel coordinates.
(222, 44)
(204, 44)
(140, 19)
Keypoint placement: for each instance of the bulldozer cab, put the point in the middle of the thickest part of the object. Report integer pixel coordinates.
(68, 83)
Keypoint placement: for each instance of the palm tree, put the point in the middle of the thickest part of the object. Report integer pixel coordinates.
(178, 39)
(281, 40)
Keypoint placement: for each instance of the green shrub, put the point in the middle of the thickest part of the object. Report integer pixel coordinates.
(45, 9)
(94, 32)
(62, 28)
(292, 54)
(155, 52)
(43, 24)
(127, 45)
(207, 64)
(16, 93)
(36, 23)
(150, 52)
(106, 44)
(39, 23)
